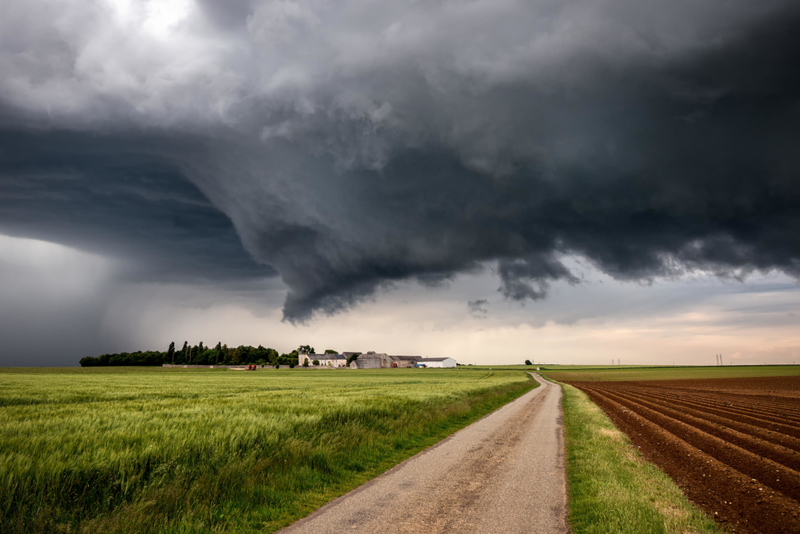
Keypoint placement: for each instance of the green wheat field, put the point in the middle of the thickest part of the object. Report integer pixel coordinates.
(155, 450)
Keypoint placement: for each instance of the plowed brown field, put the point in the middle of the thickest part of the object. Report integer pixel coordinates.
(732, 445)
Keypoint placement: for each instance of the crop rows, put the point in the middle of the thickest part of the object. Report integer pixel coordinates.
(735, 453)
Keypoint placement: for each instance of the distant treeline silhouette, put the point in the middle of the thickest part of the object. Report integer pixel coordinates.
(199, 355)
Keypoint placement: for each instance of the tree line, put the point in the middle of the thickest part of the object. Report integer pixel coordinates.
(201, 355)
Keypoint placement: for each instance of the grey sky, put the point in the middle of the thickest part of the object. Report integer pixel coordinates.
(318, 156)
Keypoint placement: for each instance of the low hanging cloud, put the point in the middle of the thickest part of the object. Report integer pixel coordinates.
(347, 146)
(478, 308)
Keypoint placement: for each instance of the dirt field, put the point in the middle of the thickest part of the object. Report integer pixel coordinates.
(732, 445)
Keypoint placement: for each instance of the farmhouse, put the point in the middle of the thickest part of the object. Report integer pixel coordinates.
(325, 360)
(374, 360)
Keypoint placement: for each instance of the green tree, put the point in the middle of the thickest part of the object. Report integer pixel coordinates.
(205, 357)
(308, 349)
(528, 362)
(259, 353)
(353, 357)
(331, 351)
(316, 362)
(171, 353)
(184, 352)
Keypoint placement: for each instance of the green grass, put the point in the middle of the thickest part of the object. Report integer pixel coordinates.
(621, 373)
(611, 488)
(152, 450)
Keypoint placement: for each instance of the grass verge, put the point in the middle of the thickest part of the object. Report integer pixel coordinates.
(611, 488)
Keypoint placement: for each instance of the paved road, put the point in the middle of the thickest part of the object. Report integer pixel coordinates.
(502, 474)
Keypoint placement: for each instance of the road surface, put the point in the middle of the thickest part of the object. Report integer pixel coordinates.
(503, 474)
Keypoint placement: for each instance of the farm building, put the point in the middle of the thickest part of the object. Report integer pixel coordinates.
(381, 360)
(375, 360)
(325, 360)
(372, 360)
(437, 362)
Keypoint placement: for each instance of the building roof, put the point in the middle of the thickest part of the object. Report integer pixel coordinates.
(414, 358)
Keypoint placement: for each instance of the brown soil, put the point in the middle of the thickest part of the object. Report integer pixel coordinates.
(732, 445)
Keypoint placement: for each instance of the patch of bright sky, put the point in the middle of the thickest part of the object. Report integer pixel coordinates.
(30, 266)
(159, 18)
(54, 298)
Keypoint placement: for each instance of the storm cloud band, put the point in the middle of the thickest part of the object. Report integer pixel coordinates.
(351, 147)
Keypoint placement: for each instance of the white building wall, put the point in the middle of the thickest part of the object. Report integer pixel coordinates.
(447, 362)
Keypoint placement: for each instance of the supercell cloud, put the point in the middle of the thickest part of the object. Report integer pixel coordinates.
(345, 146)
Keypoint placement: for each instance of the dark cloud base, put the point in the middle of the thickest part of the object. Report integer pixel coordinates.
(121, 196)
(668, 180)
(647, 168)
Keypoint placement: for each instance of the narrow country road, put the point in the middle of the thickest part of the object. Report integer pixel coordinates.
(503, 474)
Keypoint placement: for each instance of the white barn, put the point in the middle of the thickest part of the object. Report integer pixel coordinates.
(325, 360)
(437, 362)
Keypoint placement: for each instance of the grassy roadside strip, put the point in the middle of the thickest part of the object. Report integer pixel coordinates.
(611, 488)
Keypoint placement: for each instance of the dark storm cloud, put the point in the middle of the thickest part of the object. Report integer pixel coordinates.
(119, 196)
(477, 308)
(353, 146)
(527, 278)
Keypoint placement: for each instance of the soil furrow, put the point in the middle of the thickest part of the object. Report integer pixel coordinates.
(770, 473)
(782, 455)
(738, 501)
(793, 431)
(761, 410)
(778, 438)
(788, 406)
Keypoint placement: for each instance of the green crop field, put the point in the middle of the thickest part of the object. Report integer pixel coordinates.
(152, 450)
(608, 373)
